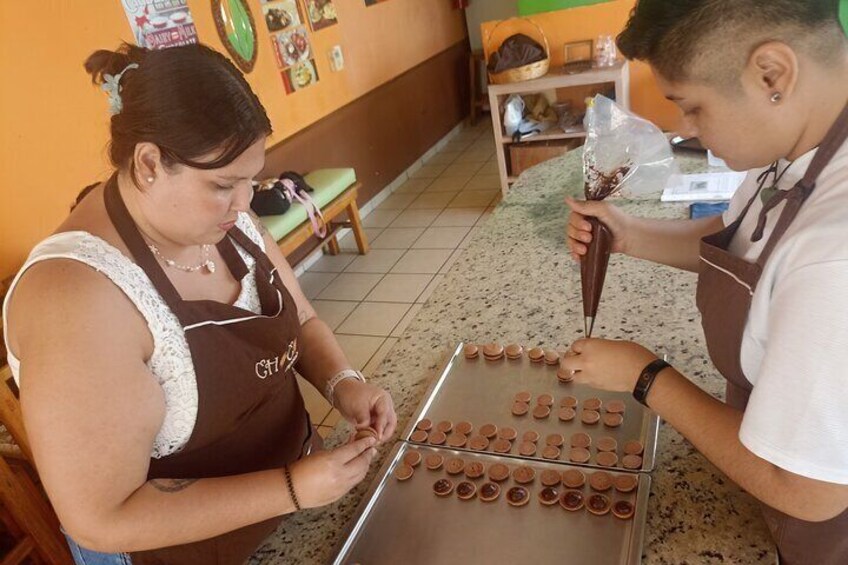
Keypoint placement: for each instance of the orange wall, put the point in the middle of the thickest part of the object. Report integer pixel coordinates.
(588, 22)
(54, 123)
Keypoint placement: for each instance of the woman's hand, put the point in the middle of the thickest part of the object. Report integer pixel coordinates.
(366, 406)
(327, 475)
(607, 365)
(579, 232)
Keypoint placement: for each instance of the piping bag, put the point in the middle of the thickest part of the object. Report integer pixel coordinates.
(624, 156)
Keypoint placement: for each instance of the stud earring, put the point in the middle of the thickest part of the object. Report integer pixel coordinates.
(776, 97)
(150, 179)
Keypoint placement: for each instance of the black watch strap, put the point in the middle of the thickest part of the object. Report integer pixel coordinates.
(646, 380)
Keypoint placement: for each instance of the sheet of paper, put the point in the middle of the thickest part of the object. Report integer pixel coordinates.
(705, 187)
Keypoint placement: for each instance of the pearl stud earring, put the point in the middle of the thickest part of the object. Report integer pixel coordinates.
(776, 97)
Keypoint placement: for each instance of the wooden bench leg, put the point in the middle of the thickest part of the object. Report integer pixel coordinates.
(333, 246)
(356, 225)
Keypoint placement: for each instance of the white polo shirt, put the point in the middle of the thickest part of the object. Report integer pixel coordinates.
(795, 344)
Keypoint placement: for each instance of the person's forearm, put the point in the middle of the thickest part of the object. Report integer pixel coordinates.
(713, 428)
(321, 357)
(675, 243)
(170, 512)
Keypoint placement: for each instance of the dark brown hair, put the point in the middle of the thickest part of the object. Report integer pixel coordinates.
(718, 36)
(190, 101)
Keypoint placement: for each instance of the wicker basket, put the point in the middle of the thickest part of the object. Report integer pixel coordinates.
(526, 72)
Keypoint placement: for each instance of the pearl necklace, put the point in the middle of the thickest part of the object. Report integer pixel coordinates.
(205, 261)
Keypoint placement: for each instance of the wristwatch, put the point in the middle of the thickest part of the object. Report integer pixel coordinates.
(646, 380)
(339, 377)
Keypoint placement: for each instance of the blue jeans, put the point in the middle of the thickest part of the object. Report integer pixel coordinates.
(84, 556)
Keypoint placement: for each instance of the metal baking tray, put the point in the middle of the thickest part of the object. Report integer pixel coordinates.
(404, 522)
(482, 392)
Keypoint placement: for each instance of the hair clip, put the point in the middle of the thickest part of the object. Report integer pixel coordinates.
(111, 85)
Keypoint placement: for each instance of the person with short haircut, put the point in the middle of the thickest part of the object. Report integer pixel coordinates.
(155, 335)
(764, 85)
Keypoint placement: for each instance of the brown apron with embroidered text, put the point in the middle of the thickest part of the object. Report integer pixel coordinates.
(250, 414)
(726, 285)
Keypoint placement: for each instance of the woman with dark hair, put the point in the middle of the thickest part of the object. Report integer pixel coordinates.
(155, 334)
(764, 84)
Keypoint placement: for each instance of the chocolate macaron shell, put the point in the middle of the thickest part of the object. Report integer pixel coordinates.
(478, 443)
(524, 475)
(549, 496)
(550, 478)
(501, 445)
(551, 357)
(413, 459)
(581, 439)
(606, 459)
(475, 470)
(443, 487)
(600, 481)
(488, 431)
(568, 402)
(471, 351)
(607, 443)
(454, 466)
(517, 496)
(457, 440)
(438, 438)
(434, 461)
(545, 400)
(536, 354)
(520, 408)
(445, 426)
(573, 478)
(424, 424)
(541, 412)
(489, 492)
(572, 500)
(514, 351)
(632, 462)
(579, 455)
(625, 483)
(633, 447)
(464, 428)
(403, 472)
(590, 417)
(613, 420)
(419, 436)
(466, 490)
(527, 448)
(598, 504)
(566, 414)
(530, 435)
(523, 396)
(507, 433)
(498, 472)
(623, 509)
(550, 452)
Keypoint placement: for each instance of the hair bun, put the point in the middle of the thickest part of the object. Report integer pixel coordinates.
(105, 62)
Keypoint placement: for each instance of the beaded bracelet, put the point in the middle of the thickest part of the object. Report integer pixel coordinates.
(291, 488)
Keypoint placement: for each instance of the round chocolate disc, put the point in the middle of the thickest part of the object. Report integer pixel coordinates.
(625, 483)
(555, 439)
(568, 402)
(413, 459)
(501, 445)
(545, 400)
(419, 436)
(566, 414)
(573, 478)
(489, 492)
(523, 475)
(475, 470)
(445, 426)
(443, 487)
(517, 496)
(523, 396)
(579, 455)
(530, 435)
(613, 420)
(403, 472)
(507, 433)
(590, 417)
(454, 466)
(633, 447)
(598, 504)
(615, 407)
(600, 481)
(623, 509)
(488, 431)
(536, 354)
(581, 439)
(457, 440)
(520, 408)
(592, 404)
(438, 438)
(606, 459)
(551, 357)
(550, 452)
(549, 496)
(550, 478)
(471, 351)
(607, 443)
(541, 412)
(478, 443)
(424, 424)
(527, 448)
(498, 472)
(631, 462)
(434, 461)
(571, 500)
(514, 351)
(466, 490)
(464, 428)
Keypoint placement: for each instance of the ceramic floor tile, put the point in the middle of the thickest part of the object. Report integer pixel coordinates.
(374, 318)
(349, 286)
(452, 259)
(324, 431)
(421, 261)
(432, 201)
(428, 172)
(473, 199)
(415, 219)
(376, 261)
(379, 357)
(489, 168)
(458, 217)
(380, 218)
(485, 216)
(313, 283)
(484, 182)
(463, 169)
(397, 238)
(399, 288)
(316, 404)
(397, 202)
(425, 296)
(348, 242)
(332, 418)
(333, 312)
(359, 348)
(413, 186)
(448, 184)
(457, 145)
(407, 319)
(474, 156)
(332, 263)
(441, 238)
(469, 237)
(443, 158)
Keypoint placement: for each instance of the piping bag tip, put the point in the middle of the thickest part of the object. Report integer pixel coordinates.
(588, 325)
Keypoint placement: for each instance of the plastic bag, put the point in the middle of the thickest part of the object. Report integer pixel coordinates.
(525, 116)
(624, 154)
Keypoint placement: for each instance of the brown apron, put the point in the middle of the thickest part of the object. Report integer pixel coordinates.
(726, 284)
(250, 414)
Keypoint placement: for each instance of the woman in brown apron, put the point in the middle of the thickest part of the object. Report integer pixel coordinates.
(170, 230)
(773, 87)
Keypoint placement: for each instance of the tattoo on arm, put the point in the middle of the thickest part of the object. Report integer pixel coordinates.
(172, 485)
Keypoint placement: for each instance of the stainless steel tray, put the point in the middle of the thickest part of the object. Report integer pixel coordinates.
(404, 522)
(482, 392)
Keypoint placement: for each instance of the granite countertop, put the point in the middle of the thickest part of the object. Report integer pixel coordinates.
(516, 283)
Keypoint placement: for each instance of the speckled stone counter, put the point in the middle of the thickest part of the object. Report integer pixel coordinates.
(516, 282)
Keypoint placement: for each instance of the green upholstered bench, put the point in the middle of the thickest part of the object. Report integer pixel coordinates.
(335, 193)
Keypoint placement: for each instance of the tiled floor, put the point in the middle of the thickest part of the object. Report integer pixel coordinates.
(416, 234)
